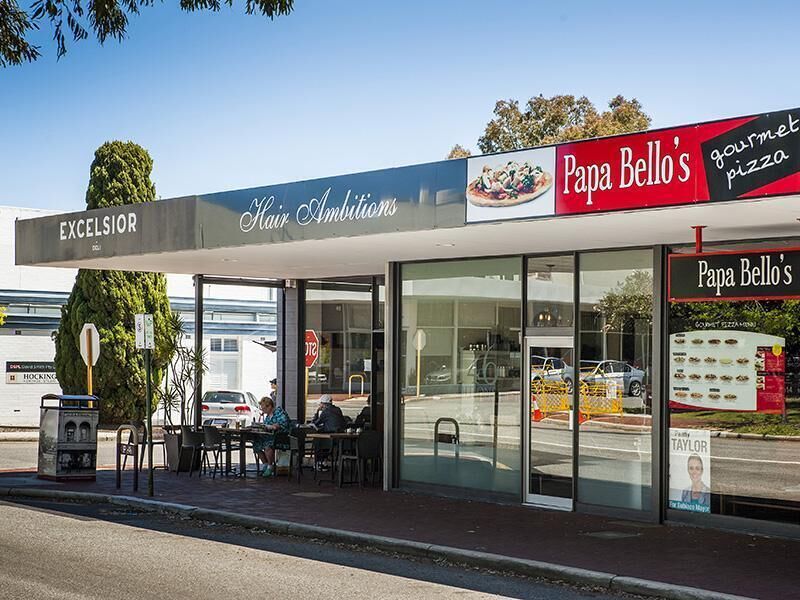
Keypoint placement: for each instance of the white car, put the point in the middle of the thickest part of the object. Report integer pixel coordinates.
(224, 408)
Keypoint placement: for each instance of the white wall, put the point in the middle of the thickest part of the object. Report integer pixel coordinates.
(19, 402)
(13, 277)
(259, 365)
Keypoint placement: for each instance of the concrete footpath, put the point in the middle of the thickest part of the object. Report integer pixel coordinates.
(661, 561)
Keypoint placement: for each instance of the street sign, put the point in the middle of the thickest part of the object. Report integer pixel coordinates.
(90, 344)
(420, 339)
(145, 334)
(312, 348)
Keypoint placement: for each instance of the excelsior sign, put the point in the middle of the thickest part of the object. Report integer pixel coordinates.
(753, 275)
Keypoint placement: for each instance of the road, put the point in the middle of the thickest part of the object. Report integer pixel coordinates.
(24, 455)
(75, 552)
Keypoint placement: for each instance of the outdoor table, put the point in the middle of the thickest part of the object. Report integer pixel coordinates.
(242, 435)
(337, 439)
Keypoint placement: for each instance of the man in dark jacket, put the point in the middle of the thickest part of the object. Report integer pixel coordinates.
(329, 417)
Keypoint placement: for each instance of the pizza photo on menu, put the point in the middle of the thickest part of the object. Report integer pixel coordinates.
(509, 184)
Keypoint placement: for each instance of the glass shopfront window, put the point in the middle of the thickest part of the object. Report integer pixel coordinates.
(341, 315)
(616, 324)
(459, 374)
(734, 405)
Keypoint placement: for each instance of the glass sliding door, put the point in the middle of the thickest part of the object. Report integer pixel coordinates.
(549, 381)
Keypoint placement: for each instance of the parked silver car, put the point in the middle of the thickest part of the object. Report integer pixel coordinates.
(629, 378)
(224, 408)
(550, 368)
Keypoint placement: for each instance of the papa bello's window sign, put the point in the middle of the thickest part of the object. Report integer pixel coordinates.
(752, 275)
(31, 372)
(263, 213)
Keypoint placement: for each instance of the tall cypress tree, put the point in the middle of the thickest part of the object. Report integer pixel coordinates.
(120, 174)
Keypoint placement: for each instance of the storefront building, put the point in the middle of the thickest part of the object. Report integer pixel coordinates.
(603, 326)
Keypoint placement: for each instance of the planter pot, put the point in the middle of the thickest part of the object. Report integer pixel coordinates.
(172, 445)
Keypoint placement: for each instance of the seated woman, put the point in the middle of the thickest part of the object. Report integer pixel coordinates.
(275, 420)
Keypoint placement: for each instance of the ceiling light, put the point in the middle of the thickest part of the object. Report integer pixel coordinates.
(445, 245)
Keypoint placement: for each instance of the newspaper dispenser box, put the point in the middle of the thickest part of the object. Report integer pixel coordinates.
(68, 437)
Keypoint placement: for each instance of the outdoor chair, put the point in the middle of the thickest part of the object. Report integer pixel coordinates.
(366, 448)
(212, 442)
(141, 427)
(322, 449)
(192, 444)
(298, 450)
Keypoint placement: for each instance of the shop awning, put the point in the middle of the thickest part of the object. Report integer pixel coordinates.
(739, 177)
(367, 254)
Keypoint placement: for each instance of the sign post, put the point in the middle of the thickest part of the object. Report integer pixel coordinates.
(90, 351)
(145, 339)
(420, 339)
(312, 353)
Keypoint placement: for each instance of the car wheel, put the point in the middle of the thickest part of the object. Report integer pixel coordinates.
(635, 389)
(569, 386)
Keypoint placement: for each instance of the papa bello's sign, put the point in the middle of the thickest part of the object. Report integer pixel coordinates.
(724, 160)
(751, 275)
(30, 372)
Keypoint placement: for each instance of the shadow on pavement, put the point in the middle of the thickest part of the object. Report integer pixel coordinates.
(370, 559)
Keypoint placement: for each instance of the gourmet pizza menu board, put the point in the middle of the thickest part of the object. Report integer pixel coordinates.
(727, 370)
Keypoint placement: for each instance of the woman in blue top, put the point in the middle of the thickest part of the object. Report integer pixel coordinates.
(275, 420)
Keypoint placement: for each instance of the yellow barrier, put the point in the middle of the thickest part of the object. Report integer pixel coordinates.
(548, 397)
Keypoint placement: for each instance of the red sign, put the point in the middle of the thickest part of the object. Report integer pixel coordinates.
(312, 348)
(724, 160)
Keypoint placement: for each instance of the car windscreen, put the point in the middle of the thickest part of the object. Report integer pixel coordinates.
(224, 397)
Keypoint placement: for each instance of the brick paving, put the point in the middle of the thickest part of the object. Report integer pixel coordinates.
(721, 561)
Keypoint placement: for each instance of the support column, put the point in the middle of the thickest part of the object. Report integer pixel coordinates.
(659, 370)
(391, 402)
(291, 349)
(198, 348)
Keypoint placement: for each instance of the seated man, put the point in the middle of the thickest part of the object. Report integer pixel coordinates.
(275, 420)
(329, 417)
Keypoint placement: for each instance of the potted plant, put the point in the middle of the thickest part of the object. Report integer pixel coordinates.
(179, 393)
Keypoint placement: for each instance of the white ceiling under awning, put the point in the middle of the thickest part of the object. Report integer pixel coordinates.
(366, 255)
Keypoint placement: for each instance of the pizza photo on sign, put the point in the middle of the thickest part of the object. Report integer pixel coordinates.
(509, 184)
(512, 185)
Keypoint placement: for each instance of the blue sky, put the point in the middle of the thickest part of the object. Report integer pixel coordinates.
(225, 101)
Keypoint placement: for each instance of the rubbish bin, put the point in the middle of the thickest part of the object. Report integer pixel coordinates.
(68, 437)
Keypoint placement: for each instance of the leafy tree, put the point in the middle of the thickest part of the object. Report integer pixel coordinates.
(120, 174)
(562, 118)
(107, 19)
(631, 300)
(458, 151)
